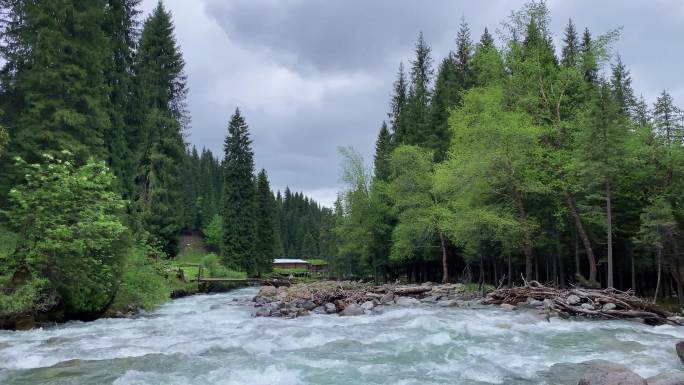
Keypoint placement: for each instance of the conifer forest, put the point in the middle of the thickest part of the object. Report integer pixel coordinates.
(521, 157)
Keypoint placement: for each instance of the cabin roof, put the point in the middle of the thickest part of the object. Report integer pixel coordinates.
(287, 260)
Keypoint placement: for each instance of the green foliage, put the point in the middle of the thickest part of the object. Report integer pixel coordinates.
(67, 219)
(265, 247)
(215, 269)
(213, 233)
(143, 283)
(159, 114)
(239, 198)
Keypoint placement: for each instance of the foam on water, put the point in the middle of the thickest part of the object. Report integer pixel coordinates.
(211, 339)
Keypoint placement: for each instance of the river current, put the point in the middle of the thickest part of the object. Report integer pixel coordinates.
(213, 339)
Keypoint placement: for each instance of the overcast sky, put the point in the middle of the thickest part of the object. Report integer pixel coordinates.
(310, 76)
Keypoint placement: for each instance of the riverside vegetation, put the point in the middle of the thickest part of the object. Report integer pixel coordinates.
(516, 159)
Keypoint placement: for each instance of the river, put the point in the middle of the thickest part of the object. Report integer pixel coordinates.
(213, 339)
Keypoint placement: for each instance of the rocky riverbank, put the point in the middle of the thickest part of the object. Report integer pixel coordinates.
(349, 298)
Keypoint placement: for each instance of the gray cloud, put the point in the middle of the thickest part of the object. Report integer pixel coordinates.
(312, 75)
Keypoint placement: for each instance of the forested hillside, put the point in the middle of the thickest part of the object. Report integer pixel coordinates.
(97, 181)
(518, 158)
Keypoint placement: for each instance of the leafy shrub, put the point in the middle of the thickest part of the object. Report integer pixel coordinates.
(214, 232)
(214, 268)
(67, 220)
(143, 285)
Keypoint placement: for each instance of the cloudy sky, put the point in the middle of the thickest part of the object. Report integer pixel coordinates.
(312, 75)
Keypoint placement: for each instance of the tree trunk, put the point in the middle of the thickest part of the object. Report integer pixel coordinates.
(496, 276)
(609, 235)
(657, 288)
(445, 265)
(577, 259)
(583, 236)
(510, 272)
(631, 260)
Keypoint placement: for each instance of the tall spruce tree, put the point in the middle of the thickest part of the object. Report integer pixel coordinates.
(54, 96)
(588, 58)
(120, 27)
(266, 225)
(571, 46)
(160, 90)
(621, 84)
(417, 116)
(398, 106)
(239, 198)
(383, 149)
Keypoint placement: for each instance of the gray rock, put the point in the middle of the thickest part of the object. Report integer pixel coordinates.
(531, 302)
(609, 306)
(431, 299)
(308, 305)
(673, 378)
(596, 372)
(268, 291)
(507, 306)
(573, 299)
(406, 301)
(302, 312)
(330, 308)
(368, 305)
(263, 312)
(680, 350)
(319, 310)
(351, 310)
(387, 298)
(448, 303)
(587, 306)
(547, 303)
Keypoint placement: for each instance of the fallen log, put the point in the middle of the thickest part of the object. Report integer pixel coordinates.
(593, 303)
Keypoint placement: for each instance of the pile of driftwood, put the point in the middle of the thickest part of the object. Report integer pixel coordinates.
(594, 303)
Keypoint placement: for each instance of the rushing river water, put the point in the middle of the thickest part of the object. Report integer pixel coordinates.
(211, 339)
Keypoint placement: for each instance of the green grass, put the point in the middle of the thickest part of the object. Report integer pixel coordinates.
(317, 262)
(297, 270)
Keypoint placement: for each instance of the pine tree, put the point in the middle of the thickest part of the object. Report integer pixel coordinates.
(239, 198)
(417, 113)
(120, 28)
(398, 106)
(621, 84)
(54, 96)
(571, 46)
(446, 94)
(667, 119)
(266, 225)
(463, 58)
(588, 58)
(488, 64)
(160, 89)
(383, 149)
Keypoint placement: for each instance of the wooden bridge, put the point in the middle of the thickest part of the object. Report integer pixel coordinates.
(263, 281)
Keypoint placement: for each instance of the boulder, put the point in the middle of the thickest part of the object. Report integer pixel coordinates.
(340, 304)
(602, 372)
(351, 310)
(587, 306)
(308, 305)
(431, 299)
(573, 300)
(448, 303)
(319, 310)
(25, 323)
(263, 312)
(547, 303)
(609, 306)
(673, 378)
(368, 305)
(680, 350)
(531, 302)
(330, 308)
(406, 301)
(268, 291)
(507, 306)
(387, 298)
